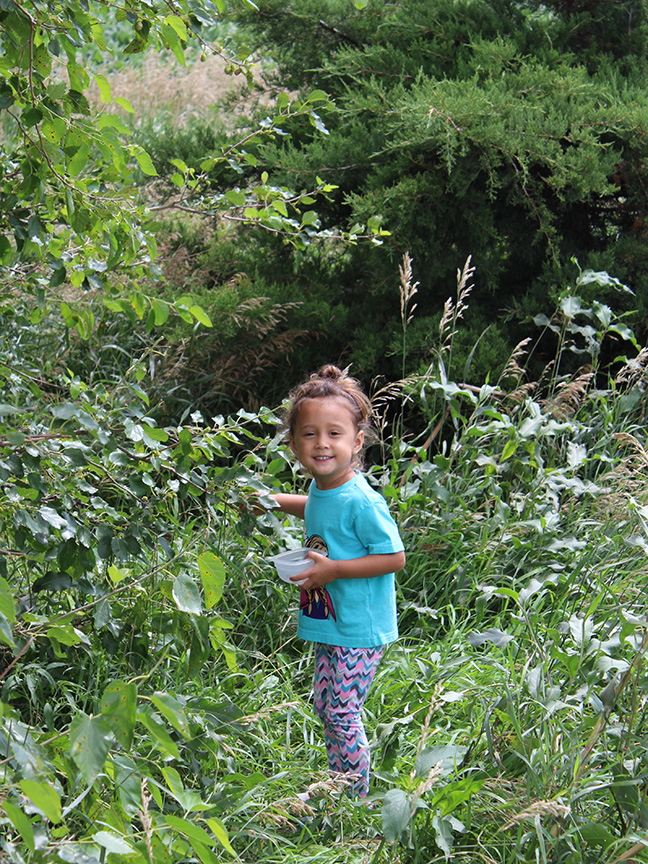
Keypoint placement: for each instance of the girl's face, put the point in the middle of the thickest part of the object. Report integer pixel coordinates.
(325, 439)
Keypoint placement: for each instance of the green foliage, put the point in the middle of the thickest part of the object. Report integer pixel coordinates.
(508, 131)
(72, 210)
(155, 702)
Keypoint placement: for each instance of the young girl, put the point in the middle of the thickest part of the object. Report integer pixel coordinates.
(348, 600)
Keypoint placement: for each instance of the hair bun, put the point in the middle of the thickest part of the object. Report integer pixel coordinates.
(330, 372)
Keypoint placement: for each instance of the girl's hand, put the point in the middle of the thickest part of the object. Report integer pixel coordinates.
(321, 573)
(324, 570)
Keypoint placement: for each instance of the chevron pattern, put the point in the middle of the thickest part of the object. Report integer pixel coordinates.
(341, 683)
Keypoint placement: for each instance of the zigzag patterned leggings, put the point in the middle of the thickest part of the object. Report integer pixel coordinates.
(342, 680)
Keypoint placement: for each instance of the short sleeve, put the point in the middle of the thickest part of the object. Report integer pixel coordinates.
(376, 528)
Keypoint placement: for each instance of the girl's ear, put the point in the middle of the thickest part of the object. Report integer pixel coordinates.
(359, 441)
(291, 444)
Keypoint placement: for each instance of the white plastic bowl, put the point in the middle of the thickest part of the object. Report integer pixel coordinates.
(291, 563)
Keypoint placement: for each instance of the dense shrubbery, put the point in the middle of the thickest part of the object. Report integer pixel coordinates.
(155, 702)
(506, 130)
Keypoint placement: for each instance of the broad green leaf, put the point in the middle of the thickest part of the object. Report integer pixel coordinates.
(118, 574)
(448, 755)
(155, 433)
(212, 574)
(236, 198)
(6, 633)
(90, 742)
(200, 315)
(145, 162)
(66, 634)
(161, 738)
(7, 606)
(125, 104)
(119, 708)
(160, 310)
(178, 25)
(220, 832)
(310, 217)
(204, 853)
(395, 814)
(114, 844)
(104, 87)
(189, 829)
(173, 711)
(509, 450)
(44, 797)
(21, 823)
(186, 595)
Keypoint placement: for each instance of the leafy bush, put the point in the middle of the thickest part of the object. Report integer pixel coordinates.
(155, 701)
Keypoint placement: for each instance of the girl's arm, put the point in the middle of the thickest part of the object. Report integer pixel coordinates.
(324, 570)
(293, 505)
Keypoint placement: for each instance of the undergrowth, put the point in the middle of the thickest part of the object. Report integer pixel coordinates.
(156, 703)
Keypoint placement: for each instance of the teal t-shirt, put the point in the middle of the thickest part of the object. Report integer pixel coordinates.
(350, 521)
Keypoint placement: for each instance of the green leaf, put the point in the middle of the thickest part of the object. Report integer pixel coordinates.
(125, 104)
(6, 633)
(161, 738)
(186, 595)
(114, 844)
(66, 634)
(395, 814)
(21, 823)
(212, 574)
(189, 829)
(160, 310)
(7, 605)
(200, 315)
(178, 25)
(236, 198)
(173, 711)
(90, 741)
(119, 709)
(449, 756)
(44, 797)
(104, 87)
(154, 433)
(145, 162)
(220, 832)
(509, 450)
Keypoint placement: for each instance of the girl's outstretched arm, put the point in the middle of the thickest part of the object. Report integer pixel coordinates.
(293, 505)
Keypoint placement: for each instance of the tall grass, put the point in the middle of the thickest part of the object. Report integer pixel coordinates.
(508, 722)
